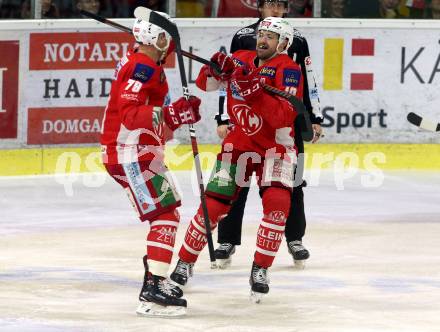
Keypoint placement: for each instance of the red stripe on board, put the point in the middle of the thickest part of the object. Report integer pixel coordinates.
(362, 81)
(362, 47)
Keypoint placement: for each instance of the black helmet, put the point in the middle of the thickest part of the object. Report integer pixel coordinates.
(260, 3)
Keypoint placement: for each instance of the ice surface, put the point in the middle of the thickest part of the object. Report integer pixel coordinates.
(73, 263)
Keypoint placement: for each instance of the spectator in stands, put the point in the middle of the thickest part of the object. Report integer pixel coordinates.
(389, 8)
(10, 9)
(92, 6)
(159, 5)
(362, 9)
(435, 9)
(417, 8)
(333, 8)
(300, 8)
(48, 9)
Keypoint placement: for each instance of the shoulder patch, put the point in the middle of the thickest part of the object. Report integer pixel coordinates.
(142, 73)
(245, 31)
(291, 77)
(268, 72)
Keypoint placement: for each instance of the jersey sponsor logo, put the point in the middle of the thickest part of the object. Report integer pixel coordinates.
(268, 71)
(291, 77)
(248, 121)
(278, 217)
(142, 73)
(237, 63)
(246, 31)
(235, 93)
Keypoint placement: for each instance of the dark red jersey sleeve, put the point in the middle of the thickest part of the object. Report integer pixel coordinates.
(276, 111)
(136, 81)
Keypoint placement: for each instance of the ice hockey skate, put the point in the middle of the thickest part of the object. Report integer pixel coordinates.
(175, 290)
(299, 254)
(182, 272)
(259, 282)
(158, 299)
(223, 255)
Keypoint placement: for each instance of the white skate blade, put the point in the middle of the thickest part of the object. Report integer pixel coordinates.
(299, 264)
(150, 309)
(224, 263)
(256, 297)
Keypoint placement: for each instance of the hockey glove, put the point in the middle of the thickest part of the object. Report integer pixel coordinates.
(225, 64)
(247, 84)
(181, 112)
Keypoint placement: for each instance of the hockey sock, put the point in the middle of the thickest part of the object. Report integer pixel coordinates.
(160, 242)
(276, 206)
(195, 237)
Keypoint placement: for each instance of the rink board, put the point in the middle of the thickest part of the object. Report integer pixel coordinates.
(180, 157)
(370, 75)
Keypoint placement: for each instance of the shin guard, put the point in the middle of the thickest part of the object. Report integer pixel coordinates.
(195, 237)
(160, 242)
(276, 206)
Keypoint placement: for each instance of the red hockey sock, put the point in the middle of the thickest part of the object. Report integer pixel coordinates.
(160, 242)
(276, 207)
(195, 237)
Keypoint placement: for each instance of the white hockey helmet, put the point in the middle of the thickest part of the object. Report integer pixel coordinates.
(147, 33)
(280, 26)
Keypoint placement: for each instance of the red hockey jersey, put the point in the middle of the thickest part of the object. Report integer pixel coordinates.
(132, 128)
(267, 123)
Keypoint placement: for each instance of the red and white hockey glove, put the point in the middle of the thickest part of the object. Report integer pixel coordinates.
(247, 84)
(181, 112)
(225, 64)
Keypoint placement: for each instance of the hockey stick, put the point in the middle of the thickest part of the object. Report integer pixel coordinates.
(307, 134)
(298, 104)
(159, 20)
(420, 122)
(128, 30)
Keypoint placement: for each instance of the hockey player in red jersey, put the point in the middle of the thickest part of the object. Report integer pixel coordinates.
(260, 141)
(135, 120)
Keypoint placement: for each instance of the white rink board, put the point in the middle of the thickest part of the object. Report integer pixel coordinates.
(74, 263)
(394, 93)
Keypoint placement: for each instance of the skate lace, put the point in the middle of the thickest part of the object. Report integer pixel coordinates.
(296, 246)
(260, 275)
(184, 269)
(226, 247)
(166, 287)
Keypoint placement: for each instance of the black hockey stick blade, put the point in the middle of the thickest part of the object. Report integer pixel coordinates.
(128, 30)
(420, 122)
(307, 134)
(151, 16)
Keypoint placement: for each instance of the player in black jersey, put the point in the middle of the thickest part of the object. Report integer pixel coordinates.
(229, 230)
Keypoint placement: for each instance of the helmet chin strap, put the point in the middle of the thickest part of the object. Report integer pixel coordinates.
(163, 50)
(278, 46)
